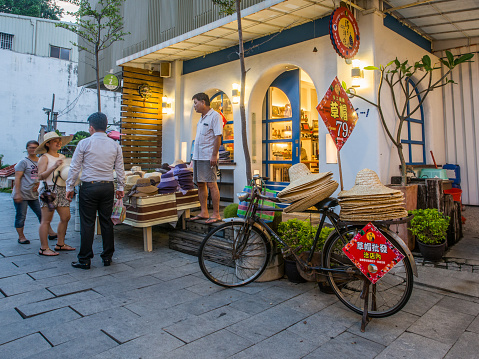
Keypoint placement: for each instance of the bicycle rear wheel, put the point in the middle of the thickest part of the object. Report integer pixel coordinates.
(234, 254)
(391, 292)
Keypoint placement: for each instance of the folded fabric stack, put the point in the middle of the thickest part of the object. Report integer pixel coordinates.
(168, 183)
(165, 167)
(184, 176)
(225, 156)
(370, 200)
(306, 189)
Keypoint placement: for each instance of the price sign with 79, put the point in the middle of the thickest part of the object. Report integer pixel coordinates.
(337, 113)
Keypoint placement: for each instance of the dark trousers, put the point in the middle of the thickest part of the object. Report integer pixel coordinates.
(96, 197)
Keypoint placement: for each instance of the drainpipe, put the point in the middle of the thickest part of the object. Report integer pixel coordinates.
(34, 39)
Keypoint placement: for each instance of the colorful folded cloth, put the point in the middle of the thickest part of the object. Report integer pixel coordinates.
(168, 184)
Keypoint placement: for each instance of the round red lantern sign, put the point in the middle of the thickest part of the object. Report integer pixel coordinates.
(344, 32)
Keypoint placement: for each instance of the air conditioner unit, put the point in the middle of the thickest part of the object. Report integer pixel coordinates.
(165, 69)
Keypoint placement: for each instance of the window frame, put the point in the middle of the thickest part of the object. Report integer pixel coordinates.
(6, 39)
(60, 49)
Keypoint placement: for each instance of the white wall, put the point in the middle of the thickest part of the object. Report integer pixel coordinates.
(27, 85)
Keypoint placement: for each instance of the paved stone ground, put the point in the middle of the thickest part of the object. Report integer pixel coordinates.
(159, 305)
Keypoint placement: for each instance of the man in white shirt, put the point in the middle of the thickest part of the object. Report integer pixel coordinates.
(96, 156)
(205, 156)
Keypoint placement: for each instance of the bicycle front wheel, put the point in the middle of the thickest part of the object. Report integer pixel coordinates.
(234, 254)
(388, 296)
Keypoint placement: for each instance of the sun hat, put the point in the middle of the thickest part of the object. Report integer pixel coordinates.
(300, 176)
(313, 197)
(154, 180)
(177, 162)
(51, 136)
(143, 187)
(305, 191)
(131, 180)
(152, 174)
(367, 184)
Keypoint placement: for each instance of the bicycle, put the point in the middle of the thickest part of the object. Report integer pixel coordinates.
(237, 252)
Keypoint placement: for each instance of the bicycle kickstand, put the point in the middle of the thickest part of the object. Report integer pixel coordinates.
(365, 295)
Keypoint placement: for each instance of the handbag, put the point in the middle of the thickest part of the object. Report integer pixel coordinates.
(263, 211)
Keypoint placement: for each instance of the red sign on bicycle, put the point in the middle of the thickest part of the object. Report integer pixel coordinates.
(372, 253)
(338, 113)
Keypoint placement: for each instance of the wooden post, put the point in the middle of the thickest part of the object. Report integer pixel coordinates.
(340, 172)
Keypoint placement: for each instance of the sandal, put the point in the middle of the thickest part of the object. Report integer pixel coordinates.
(51, 238)
(59, 247)
(48, 250)
(197, 218)
(23, 241)
(213, 220)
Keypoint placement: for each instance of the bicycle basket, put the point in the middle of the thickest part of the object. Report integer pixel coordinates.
(263, 212)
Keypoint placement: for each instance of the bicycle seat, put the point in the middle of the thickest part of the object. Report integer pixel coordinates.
(327, 203)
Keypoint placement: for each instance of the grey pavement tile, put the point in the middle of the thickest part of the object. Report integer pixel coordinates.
(165, 275)
(98, 270)
(58, 280)
(267, 323)
(256, 287)
(31, 325)
(86, 346)
(24, 298)
(386, 330)
(284, 344)
(251, 304)
(32, 309)
(466, 347)
(50, 272)
(189, 282)
(326, 324)
(347, 345)
(421, 301)
(181, 261)
(474, 326)
(221, 344)
(8, 316)
(195, 327)
(311, 302)
(441, 324)
(459, 305)
(414, 346)
(82, 285)
(279, 294)
(89, 307)
(8, 269)
(155, 298)
(119, 285)
(153, 345)
(64, 332)
(24, 347)
(204, 304)
(18, 284)
(139, 272)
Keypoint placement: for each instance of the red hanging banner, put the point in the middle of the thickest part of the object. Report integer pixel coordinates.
(337, 113)
(372, 253)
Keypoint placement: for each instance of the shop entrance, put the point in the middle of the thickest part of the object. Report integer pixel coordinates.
(290, 127)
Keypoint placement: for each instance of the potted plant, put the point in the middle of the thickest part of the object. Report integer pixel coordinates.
(429, 226)
(299, 236)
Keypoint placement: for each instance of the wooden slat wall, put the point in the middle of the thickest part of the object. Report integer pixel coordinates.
(141, 119)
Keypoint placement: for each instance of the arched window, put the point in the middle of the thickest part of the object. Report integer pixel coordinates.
(221, 103)
(412, 135)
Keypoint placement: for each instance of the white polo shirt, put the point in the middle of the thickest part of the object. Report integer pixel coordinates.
(209, 126)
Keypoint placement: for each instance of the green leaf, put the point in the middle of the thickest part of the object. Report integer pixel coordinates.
(450, 57)
(371, 68)
(463, 58)
(397, 63)
(344, 85)
(426, 60)
(445, 63)
(390, 63)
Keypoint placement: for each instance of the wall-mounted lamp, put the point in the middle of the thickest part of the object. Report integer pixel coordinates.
(356, 73)
(165, 105)
(236, 93)
(331, 150)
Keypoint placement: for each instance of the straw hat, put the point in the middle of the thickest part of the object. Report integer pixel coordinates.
(305, 191)
(51, 136)
(367, 184)
(154, 180)
(144, 188)
(152, 174)
(299, 176)
(131, 180)
(176, 163)
(313, 197)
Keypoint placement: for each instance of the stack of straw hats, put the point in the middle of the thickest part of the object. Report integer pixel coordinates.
(370, 200)
(306, 189)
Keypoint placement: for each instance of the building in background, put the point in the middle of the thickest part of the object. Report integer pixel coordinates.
(38, 60)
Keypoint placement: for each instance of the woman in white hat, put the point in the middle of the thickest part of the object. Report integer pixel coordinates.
(49, 161)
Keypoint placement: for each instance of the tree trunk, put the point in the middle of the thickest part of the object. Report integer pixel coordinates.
(403, 165)
(244, 136)
(97, 70)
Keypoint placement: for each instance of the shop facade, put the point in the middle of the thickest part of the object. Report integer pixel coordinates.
(288, 73)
